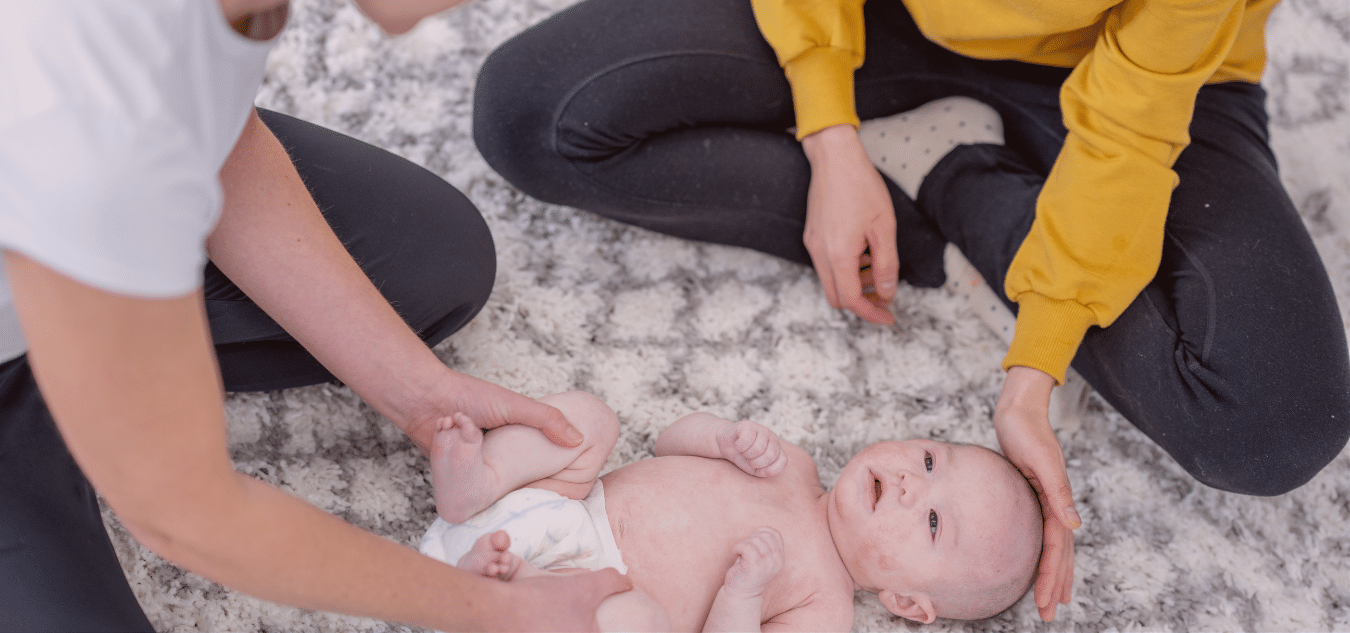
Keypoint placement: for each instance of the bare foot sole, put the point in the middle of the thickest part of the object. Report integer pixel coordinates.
(490, 557)
(460, 477)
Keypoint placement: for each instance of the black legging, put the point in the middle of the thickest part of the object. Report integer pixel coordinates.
(672, 116)
(422, 242)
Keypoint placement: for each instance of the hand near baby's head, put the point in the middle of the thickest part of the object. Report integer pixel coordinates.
(753, 448)
(936, 529)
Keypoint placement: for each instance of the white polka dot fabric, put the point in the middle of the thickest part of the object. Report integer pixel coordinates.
(905, 146)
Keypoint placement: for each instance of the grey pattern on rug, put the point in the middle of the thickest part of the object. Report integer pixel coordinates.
(659, 327)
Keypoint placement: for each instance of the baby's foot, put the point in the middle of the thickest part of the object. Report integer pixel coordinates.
(460, 478)
(490, 557)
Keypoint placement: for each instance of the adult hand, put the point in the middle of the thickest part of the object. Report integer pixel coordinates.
(850, 225)
(487, 405)
(552, 602)
(273, 242)
(1022, 423)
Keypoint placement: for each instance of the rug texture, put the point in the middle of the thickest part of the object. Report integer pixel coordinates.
(660, 327)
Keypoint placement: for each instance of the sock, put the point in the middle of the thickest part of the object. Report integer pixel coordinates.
(905, 146)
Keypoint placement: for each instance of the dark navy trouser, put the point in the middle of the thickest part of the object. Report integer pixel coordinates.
(673, 116)
(422, 242)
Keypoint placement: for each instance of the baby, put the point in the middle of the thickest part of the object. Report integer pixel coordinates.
(728, 529)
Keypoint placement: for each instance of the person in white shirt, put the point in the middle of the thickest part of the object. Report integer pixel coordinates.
(163, 241)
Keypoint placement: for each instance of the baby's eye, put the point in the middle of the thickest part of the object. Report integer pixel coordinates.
(932, 522)
(928, 461)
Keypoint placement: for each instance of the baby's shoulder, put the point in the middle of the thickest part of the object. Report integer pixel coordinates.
(801, 466)
(822, 606)
(817, 594)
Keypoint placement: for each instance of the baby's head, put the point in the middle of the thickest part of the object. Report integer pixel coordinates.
(935, 529)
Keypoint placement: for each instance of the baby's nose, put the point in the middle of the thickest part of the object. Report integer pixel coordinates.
(911, 488)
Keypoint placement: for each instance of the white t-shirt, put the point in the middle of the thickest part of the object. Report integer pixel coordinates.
(116, 118)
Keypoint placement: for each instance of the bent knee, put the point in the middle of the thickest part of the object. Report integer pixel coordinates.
(441, 263)
(596, 420)
(1276, 457)
(512, 126)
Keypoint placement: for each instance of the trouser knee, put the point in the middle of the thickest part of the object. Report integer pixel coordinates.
(512, 112)
(1278, 457)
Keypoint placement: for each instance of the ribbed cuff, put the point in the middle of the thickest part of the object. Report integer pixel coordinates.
(1048, 334)
(822, 89)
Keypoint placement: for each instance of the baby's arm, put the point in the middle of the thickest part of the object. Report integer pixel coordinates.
(471, 470)
(739, 602)
(747, 444)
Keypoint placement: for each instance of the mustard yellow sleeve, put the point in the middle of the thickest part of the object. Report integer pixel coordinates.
(1098, 233)
(819, 43)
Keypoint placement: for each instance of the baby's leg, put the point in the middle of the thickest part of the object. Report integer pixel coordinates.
(490, 557)
(629, 611)
(471, 470)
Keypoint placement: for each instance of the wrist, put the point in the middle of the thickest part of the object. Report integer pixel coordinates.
(821, 146)
(415, 394)
(722, 433)
(733, 593)
(490, 609)
(1024, 388)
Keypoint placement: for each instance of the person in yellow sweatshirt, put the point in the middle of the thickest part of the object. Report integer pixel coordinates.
(1105, 163)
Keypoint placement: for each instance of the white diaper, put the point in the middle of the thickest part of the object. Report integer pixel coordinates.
(547, 530)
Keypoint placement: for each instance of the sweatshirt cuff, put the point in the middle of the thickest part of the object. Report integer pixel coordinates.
(1048, 334)
(822, 89)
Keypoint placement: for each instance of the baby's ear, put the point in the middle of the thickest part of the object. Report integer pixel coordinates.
(918, 608)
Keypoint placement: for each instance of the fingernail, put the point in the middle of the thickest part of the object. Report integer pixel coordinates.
(574, 436)
(1074, 520)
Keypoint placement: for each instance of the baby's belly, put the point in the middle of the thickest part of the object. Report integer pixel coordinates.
(676, 520)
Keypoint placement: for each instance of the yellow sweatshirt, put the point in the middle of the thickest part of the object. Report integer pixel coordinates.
(1137, 66)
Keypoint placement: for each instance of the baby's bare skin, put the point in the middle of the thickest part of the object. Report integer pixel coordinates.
(690, 523)
(677, 519)
(729, 529)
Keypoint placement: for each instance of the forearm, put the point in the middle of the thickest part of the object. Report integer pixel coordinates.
(1097, 238)
(731, 612)
(266, 543)
(132, 385)
(1025, 388)
(694, 434)
(274, 244)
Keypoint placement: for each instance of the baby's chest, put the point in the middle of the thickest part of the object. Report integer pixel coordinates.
(679, 553)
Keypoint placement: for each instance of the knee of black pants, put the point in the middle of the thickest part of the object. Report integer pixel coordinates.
(559, 105)
(512, 116)
(422, 242)
(1253, 422)
(456, 262)
(1265, 453)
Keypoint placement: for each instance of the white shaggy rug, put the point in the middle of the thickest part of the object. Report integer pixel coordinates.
(659, 327)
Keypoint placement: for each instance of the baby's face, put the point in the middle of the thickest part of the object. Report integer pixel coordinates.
(910, 515)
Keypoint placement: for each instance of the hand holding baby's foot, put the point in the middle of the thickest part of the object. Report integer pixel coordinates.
(459, 477)
(752, 447)
(490, 557)
(758, 560)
